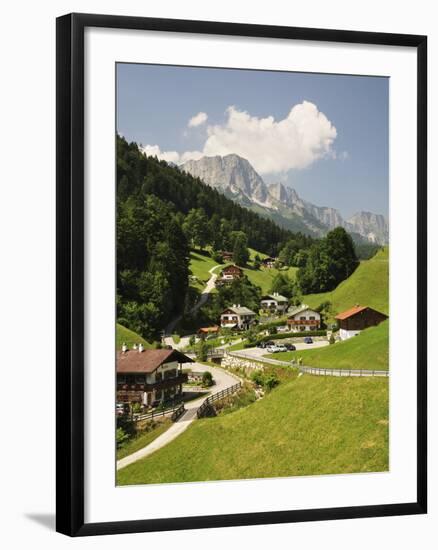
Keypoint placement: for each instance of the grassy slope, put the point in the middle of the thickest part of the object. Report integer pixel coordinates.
(368, 351)
(143, 439)
(369, 285)
(263, 277)
(130, 337)
(200, 265)
(313, 425)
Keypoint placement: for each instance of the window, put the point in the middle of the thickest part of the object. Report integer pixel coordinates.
(312, 318)
(158, 376)
(121, 379)
(303, 318)
(139, 379)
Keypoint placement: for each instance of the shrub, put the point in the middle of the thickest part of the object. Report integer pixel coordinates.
(257, 377)
(332, 339)
(271, 381)
(121, 437)
(207, 379)
(268, 381)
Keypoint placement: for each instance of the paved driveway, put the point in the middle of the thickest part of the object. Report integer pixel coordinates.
(258, 353)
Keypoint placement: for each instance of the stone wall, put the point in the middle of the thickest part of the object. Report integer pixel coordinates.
(240, 363)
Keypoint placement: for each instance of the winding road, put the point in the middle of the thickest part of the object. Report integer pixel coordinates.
(184, 342)
(223, 380)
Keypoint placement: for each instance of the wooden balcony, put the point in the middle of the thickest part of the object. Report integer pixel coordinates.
(304, 322)
(161, 385)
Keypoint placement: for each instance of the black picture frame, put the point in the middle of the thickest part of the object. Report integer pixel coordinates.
(70, 273)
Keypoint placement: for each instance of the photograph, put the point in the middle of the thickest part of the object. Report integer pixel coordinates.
(252, 247)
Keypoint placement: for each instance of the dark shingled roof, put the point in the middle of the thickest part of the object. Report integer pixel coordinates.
(148, 360)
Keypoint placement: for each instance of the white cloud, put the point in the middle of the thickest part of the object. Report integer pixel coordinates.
(197, 120)
(154, 151)
(295, 142)
(171, 156)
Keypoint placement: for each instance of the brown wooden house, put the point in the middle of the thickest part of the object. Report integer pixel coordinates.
(229, 274)
(268, 262)
(150, 376)
(203, 332)
(358, 318)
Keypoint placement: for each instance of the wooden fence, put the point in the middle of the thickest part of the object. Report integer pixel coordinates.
(219, 395)
(343, 372)
(177, 409)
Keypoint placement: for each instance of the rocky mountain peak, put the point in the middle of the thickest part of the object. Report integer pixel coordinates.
(235, 177)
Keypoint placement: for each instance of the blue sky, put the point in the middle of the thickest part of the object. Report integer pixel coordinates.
(324, 135)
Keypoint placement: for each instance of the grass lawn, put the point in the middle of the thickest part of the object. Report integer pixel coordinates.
(263, 277)
(130, 337)
(368, 286)
(369, 351)
(200, 264)
(143, 439)
(237, 347)
(311, 425)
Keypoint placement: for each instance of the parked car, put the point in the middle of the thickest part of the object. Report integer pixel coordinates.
(261, 345)
(270, 343)
(308, 340)
(272, 349)
(281, 347)
(290, 347)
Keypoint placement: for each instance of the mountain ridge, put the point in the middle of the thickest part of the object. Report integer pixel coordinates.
(235, 177)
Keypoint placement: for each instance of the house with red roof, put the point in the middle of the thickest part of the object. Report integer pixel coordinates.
(149, 376)
(358, 318)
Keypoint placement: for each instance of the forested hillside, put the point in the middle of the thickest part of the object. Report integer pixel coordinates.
(162, 213)
(138, 175)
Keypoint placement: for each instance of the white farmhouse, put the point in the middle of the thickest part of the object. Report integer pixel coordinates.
(237, 317)
(274, 303)
(303, 318)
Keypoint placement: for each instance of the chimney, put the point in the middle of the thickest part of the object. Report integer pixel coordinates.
(124, 348)
(140, 348)
(234, 305)
(238, 305)
(134, 346)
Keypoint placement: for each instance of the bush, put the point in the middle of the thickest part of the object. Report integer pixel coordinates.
(207, 379)
(257, 377)
(271, 381)
(332, 339)
(121, 437)
(268, 381)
